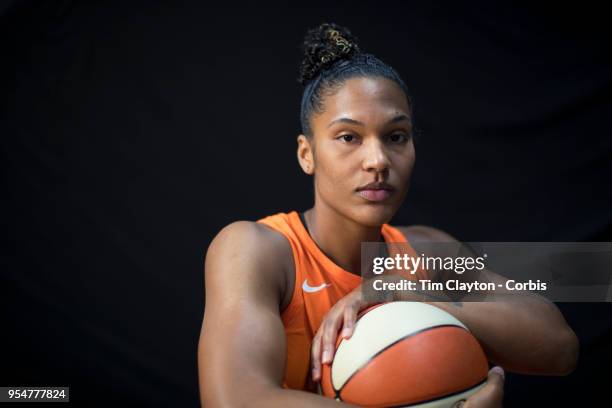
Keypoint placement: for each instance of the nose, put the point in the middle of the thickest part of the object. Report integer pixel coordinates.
(375, 157)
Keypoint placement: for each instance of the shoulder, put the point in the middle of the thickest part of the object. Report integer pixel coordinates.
(435, 242)
(248, 237)
(423, 233)
(249, 252)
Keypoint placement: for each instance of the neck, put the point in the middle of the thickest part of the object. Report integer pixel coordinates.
(339, 237)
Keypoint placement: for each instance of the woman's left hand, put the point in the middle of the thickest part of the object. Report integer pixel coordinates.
(342, 314)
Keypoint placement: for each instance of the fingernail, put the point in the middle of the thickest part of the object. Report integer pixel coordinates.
(326, 356)
(458, 404)
(346, 333)
(315, 374)
(499, 371)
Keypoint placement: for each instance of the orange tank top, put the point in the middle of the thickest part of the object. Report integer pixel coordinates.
(319, 284)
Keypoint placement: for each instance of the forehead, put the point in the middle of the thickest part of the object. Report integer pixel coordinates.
(364, 99)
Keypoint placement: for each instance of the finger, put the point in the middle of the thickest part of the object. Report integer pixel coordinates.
(315, 356)
(350, 316)
(330, 333)
(492, 394)
(497, 377)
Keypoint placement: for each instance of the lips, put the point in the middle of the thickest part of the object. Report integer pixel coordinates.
(377, 191)
(375, 195)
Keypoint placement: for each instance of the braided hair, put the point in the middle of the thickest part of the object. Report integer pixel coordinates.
(332, 56)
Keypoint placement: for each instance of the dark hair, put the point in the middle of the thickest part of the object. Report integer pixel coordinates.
(331, 56)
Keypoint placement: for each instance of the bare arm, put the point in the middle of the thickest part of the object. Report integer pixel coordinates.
(522, 332)
(242, 348)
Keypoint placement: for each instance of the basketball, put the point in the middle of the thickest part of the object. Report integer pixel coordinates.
(405, 354)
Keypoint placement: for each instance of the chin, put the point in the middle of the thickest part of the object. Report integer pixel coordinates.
(375, 215)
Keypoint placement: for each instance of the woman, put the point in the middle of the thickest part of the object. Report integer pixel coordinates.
(279, 290)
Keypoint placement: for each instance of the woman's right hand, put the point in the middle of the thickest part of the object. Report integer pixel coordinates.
(491, 395)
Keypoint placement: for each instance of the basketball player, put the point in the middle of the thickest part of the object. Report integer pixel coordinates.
(278, 291)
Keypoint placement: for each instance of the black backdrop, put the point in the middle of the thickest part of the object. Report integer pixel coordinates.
(133, 131)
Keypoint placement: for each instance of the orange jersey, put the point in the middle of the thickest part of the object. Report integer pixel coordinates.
(319, 284)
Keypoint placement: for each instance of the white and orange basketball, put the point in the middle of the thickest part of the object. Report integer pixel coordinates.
(405, 354)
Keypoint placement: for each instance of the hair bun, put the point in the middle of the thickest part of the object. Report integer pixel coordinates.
(323, 46)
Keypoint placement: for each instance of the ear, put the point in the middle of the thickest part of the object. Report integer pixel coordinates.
(305, 154)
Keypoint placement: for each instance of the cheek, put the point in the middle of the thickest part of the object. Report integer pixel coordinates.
(405, 164)
(407, 170)
(334, 176)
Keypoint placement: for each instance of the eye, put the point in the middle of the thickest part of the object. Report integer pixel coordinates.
(399, 138)
(347, 138)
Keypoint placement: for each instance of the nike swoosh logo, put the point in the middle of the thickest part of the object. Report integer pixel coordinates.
(310, 289)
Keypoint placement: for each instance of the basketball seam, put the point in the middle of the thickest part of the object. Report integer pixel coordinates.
(338, 391)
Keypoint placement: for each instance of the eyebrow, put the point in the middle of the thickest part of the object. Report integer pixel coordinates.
(396, 119)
